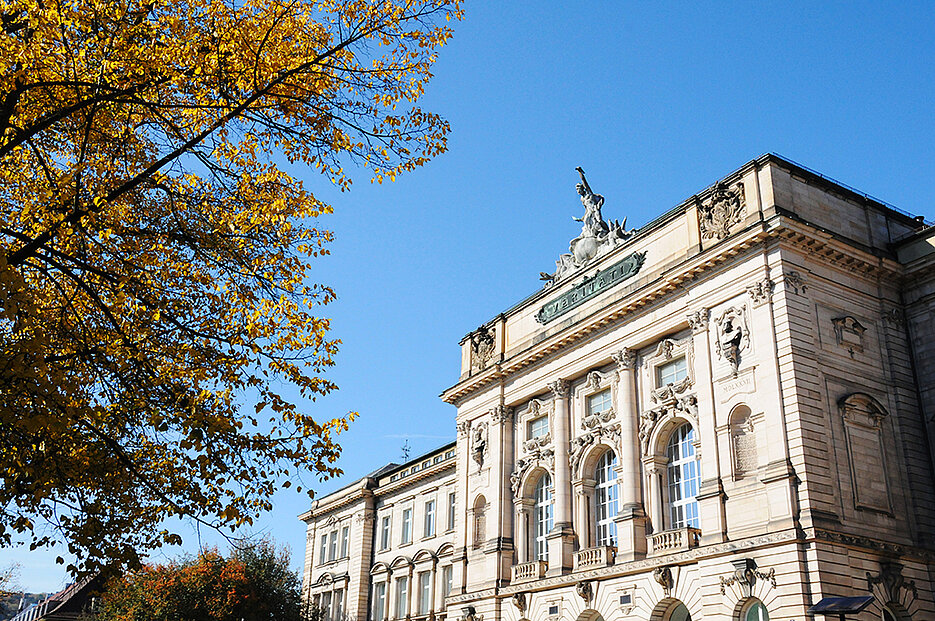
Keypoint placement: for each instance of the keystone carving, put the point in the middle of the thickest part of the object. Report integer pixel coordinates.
(585, 592)
(519, 600)
(663, 575)
(723, 209)
(745, 576)
(891, 582)
(595, 380)
(733, 336)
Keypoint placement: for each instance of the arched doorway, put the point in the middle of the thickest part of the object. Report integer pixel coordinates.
(589, 614)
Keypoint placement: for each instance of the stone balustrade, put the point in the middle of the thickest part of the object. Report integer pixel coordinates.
(590, 558)
(674, 540)
(525, 572)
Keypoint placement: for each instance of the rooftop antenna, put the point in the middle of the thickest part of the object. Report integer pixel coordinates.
(405, 450)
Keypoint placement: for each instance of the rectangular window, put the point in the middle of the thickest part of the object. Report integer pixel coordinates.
(414, 469)
(426, 464)
(449, 454)
(385, 534)
(671, 372)
(345, 540)
(425, 592)
(323, 557)
(599, 402)
(437, 459)
(451, 511)
(538, 427)
(447, 579)
(379, 602)
(339, 605)
(407, 526)
(333, 548)
(429, 529)
(402, 597)
(326, 605)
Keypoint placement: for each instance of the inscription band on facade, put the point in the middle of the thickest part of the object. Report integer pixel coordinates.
(590, 287)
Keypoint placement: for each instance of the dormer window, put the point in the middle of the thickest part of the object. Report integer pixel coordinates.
(671, 372)
(538, 427)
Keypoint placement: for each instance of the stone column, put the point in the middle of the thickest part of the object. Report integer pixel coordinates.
(521, 533)
(631, 520)
(499, 515)
(561, 539)
(434, 577)
(388, 595)
(410, 593)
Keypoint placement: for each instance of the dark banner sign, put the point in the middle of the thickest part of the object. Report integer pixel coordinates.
(590, 287)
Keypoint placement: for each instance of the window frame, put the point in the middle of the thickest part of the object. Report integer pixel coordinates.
(543, 517)
(541, 422)
(428, 519)
(402, 597)
(406, 530)
(683, 474)
(345, 541)
(680, 357)
(385, 532)
(381, 598)
(425, 592)
(452, 503)
(606, 499)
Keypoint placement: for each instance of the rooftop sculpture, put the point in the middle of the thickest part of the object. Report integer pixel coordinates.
(597, 237)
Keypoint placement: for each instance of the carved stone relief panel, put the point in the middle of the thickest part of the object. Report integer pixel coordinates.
(483, 347)
(849, 334)
(479, 443)
(733, 335)
(721, 211)
(743, 442)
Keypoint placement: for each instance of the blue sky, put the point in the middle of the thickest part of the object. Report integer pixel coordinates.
(655, 101)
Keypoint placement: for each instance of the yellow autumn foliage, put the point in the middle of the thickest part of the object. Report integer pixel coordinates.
(155, 258)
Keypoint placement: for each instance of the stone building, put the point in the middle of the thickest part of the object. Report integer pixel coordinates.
(726, 414)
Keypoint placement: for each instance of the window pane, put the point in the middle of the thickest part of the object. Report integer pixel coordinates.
(333, 548)
(345, 540)
(425, 592)
(402, 597)
(447, 579)
(683, 476)
(671, 372)
(326, 605)
(543, 517)
(339, 604)
(379, 601)
(599, 403)
(323, 556)
(407, 526)
(606, 499)
(539, 427)
(451, 511)
(385, 534)
(429, 529)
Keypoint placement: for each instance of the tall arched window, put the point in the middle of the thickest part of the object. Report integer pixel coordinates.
(606, 499)
(543, 517)
(683, 477)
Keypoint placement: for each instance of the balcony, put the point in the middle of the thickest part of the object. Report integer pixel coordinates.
(591, 558)
(526, 572)
(674, 540)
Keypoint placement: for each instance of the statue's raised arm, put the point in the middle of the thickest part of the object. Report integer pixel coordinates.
(584, 181)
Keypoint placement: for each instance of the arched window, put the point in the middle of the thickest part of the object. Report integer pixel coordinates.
(606, 499)
(683, 476)
(756, 611)
(679, 613)
(543, 517)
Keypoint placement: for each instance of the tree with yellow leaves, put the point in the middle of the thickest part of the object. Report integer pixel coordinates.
(154, 258)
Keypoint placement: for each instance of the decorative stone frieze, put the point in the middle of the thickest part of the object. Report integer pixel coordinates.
(733, 336)
(761, 292)
(698, 320)
(721, 211)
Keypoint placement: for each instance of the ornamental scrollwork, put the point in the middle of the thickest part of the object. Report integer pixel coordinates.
(671, 400)
(625, 359)
(745, 575)
(580, 444)
(698, 320)
(723, 209)
(891, 582)
(761, 292)
(501, 414)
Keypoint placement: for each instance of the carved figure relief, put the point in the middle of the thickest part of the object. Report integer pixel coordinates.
(723, 209)
(665, 349)
(580, 444)
(733, 337)
(895, 317)
(849, 334)
(625, 358)
(663, 575)
(479, 444)
(761, 292)
(519, 600)
(597, 237)
(482, 348)
(863, 432)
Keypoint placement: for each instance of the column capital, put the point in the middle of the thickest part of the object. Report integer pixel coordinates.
(625, 359)
(560, 388)
(501, 414)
